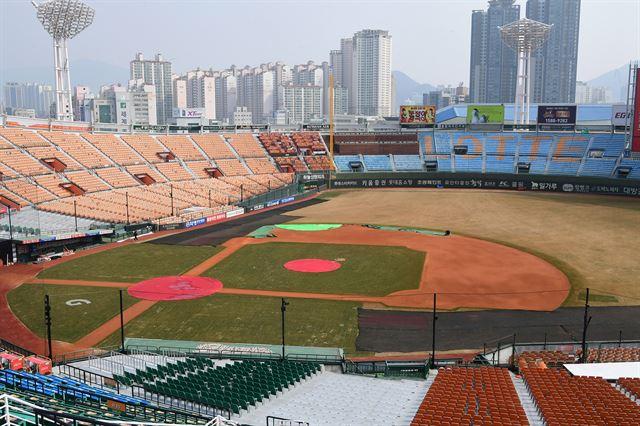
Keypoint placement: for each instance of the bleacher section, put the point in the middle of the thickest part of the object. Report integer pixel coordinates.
(595, 155)
(471, 396)
(234, 386)
(67, 396)
(564, 399)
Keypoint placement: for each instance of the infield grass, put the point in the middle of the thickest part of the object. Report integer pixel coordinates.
(132, 263)
(248, 319)
(69, 323)
(366, 270)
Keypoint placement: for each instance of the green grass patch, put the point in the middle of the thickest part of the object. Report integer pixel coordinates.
(605, 298)
(69, 323)
(132, 263)
(248, 319)
(366, 270)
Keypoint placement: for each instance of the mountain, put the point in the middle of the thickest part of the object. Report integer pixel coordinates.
(408, 90)
(616, 80)
(84, 72)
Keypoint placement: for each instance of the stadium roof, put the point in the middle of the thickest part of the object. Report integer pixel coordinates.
(599, 114)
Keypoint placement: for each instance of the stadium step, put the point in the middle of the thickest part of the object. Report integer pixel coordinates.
(526, 400)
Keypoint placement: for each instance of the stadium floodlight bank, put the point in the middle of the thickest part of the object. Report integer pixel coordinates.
(63, 20)
(524, 36)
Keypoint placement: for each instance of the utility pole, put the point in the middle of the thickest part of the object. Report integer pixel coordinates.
(331, 125)
(283, 309)
(126, 198)
(209, 198)
(122, 349)
(585, 324)
(75, 212)
(47, 322)
(433, 333)
(171, 187)
(241, 192)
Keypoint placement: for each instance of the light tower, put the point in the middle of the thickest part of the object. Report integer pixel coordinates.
(63, 20)
(524, 36)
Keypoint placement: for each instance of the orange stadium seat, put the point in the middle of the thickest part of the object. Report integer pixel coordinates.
(245, 144)
(213, 145)
(78, 148)
(181, 146)
(146, 146)
(114, 148)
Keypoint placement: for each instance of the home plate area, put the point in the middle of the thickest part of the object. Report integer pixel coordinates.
(180, 287)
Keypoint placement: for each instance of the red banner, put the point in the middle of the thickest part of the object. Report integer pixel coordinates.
(635, 144)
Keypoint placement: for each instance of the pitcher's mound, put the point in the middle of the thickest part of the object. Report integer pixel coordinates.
(175, 288)
(312, 265)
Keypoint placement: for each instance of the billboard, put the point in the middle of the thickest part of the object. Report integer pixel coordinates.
(417, 114)
(188, 112)
(619, 115)
(485, 114)
(560, 115)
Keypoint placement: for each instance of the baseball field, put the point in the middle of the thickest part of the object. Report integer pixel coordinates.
(507, 250)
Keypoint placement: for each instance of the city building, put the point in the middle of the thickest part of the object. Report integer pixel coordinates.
(77, 99)
(445, 96)
(371, 74)
(126, 106)
(179, 91)
(555, 64)
(201, 92)
(242, 117)
(493, 65)
(26, 96)
(587, 94)
(158, 73)
(303, 102)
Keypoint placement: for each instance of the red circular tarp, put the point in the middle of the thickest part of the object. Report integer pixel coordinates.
(312, 265)
(175, 288)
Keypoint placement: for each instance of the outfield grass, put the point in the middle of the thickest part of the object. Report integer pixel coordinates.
(69, 323)
(248, 319)
(366, 270)
(132, 263)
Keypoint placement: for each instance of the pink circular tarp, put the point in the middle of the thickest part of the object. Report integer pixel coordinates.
(175, 288)
(312, 265)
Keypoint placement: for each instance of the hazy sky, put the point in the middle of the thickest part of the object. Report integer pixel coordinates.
(430, 37)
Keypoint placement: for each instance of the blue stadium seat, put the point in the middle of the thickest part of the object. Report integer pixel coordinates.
(634, 165)
(443, 143)
(408, 162)
(612, 145)
(468, 163)
(602, 167)
(563, 166)
(500, 164)
(444, 163)
(342, 162)
(501, 144)
(377, 163)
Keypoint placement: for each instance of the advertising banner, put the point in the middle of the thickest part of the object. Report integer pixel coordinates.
(557, 115)
(236, 212)
(216, 217)
(196, 222)
(635, 144)
(619, 115)
(485, 114)
(417, 115)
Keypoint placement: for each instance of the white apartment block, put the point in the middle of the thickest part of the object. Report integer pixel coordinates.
(158, 73)
(179, 91)
(201, 92)
(303, 103)
(371, 79)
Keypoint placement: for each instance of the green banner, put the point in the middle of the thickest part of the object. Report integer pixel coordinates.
(485, 114)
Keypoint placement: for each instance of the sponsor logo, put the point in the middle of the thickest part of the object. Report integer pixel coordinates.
(216, 217)
(196, 222)
(273, 203)
(258, 207)
(567, 187)
(287, 200)
(236, 212)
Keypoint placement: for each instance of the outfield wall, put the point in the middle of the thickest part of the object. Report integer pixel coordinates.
(538, 183)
